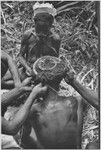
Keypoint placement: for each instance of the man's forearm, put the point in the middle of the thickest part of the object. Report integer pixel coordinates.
(21, 115)
(14, 71)
(12, 67)
(23, 62)
(87, 94)
(7, 98)
(7, 84)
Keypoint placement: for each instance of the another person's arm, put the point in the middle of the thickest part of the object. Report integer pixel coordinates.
(23, 52)
(13, 126)
(87, 94)
(8, 84)
(12, 67)
(7, 98)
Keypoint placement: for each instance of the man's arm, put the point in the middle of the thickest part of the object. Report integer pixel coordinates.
(12, 67)
(23, 52)
(26, 136)
(8, 84)
(89, 95)
(13, 126)
(7, 98)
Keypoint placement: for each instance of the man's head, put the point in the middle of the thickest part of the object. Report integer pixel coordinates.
(43, 22)
(43, 17)
(49, 70)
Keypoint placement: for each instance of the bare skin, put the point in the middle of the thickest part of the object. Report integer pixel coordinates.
(47, 123)
(55, 122)
(13, 126)
(39, 43)
(93, 145)
(8, 97)
(8, 63)
(89, 95)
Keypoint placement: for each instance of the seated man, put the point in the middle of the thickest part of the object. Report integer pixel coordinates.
(55, 119)
(8, 63)
(42, 41)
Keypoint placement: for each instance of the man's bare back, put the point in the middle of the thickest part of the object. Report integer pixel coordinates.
(55, 122)
(54, 119)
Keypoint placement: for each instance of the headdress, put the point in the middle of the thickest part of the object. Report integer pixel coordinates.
(49, 68)
(44, 8)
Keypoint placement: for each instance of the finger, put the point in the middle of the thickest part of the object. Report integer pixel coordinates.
(40, 85)
(29, 75)
(44, 88)
(32, 86)
(28, 88)
(27, 80)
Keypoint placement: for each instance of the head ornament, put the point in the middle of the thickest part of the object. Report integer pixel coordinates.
(44, 8)
(48, 68)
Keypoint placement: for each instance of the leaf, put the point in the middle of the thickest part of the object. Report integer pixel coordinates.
(65, 10)
(5, 30)
(10, 6)
(86, 75)
(66, 6)
(96, 28)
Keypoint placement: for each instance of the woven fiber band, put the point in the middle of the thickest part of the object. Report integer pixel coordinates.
(49, 68)
(44, 8)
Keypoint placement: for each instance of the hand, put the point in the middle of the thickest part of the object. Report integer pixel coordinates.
(39, 89)
(29, 72)
(18, 84)
(27, 81)
(69, 78)
(26, 84)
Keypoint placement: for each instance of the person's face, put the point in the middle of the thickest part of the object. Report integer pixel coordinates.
(43, 22)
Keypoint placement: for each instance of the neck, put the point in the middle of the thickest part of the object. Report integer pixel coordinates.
(42, 31)
(52, 94)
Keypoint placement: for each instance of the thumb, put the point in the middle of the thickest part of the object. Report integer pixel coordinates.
(27, 88)
(27, 81)
(44, 88)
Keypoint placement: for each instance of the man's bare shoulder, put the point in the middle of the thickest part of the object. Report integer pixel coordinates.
(70, 100)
